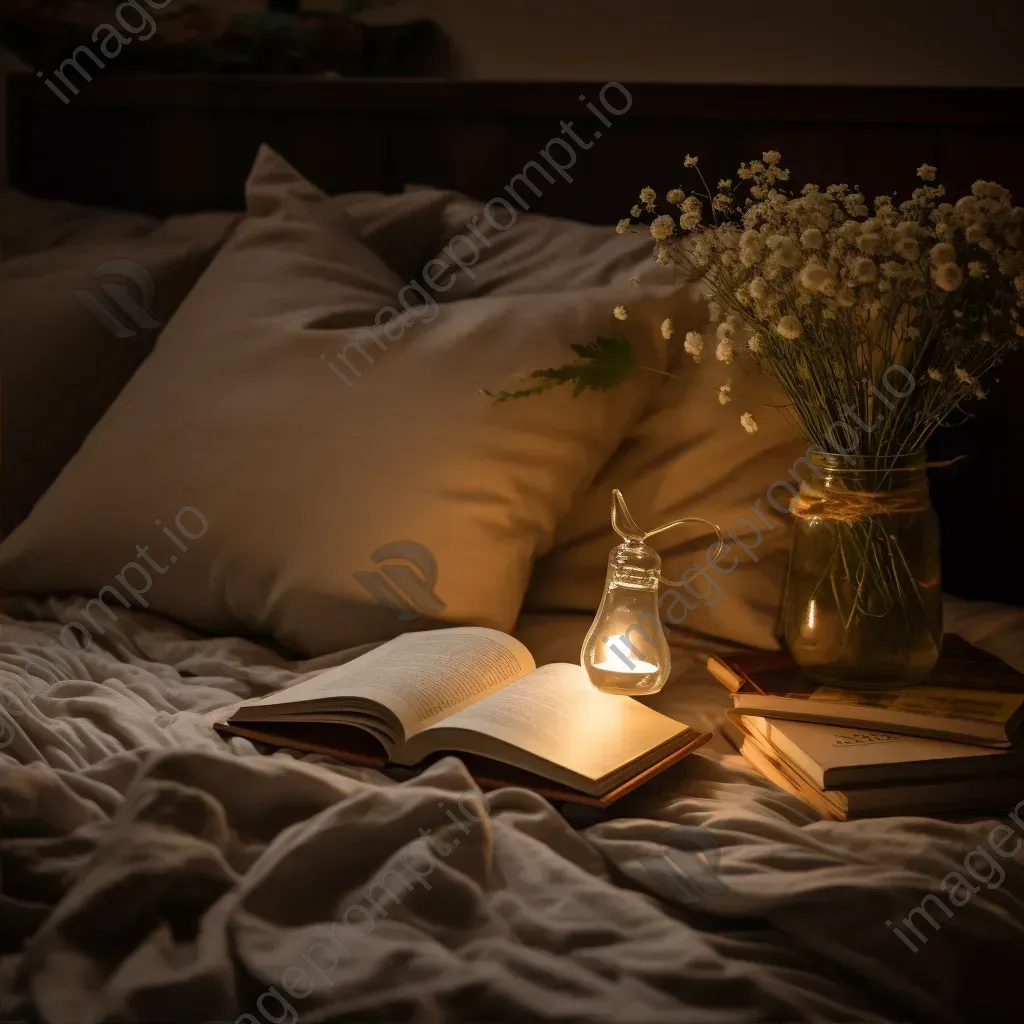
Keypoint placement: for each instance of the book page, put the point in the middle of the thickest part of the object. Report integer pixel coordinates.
(420, 677)
(557, 715)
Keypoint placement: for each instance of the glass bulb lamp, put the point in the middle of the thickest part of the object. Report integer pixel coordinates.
(625, 651)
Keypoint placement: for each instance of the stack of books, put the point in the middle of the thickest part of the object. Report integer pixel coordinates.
(950, 746)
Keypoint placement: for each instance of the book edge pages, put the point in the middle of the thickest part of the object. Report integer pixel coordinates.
(798, 711)
(693, 740)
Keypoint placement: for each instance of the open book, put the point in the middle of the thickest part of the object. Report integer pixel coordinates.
(473, 691)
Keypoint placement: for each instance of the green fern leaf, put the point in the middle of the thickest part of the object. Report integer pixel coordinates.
(603, 364)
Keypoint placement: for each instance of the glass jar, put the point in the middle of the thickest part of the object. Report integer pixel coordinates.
(863, 601)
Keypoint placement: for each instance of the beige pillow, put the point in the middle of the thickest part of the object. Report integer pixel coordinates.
(29, 224)
(76, 320)
(689, 456)
(405, 230)
(509, 252)
(294, 501)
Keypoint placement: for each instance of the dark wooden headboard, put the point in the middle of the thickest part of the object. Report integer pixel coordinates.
(178, 143)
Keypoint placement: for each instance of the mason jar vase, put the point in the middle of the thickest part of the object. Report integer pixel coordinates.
(863, 601)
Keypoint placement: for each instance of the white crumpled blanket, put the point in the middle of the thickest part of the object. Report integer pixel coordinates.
(153, 872)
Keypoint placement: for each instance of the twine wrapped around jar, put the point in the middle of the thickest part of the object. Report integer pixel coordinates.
(852, 506)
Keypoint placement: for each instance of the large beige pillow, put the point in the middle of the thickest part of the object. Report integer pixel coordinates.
(689, 456)
(261, 462)
(76, 319)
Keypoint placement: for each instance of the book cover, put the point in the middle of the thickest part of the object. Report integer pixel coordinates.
(971, 695)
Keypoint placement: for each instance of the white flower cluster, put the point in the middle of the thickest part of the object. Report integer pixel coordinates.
(833, 285)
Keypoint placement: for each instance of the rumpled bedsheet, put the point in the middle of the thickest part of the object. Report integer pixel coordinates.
(154, 872)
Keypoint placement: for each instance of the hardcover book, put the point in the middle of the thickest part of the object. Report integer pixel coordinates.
(971, 696)
(860, 797)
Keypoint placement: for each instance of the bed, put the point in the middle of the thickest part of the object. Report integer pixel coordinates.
(153, 871)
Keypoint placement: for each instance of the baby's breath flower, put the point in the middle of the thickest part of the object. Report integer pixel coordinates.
(967, 207)
(907, 248)
(813, 275)
(926, 172)
(690, 161)
(620, 312)
(635, 211)
(749, 255)
(868, 243)
(852, 202)
(812, 238)
(688, 221)
(662, 255)
(758, 288)
(941, 252)
(675, 196)
(667, 330)
(691, 204)
(864, 270)
(623, 226)
(934, 373)
(849, 231)
(964, 377)
(786, 254)
(974, 233)
(771, 157)
(789, 327)
(693, 345)
(662, 227)
(724, 398)
(724, 350)
(748, 423)
(648, 197)
(754, 345)
(948, 276)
